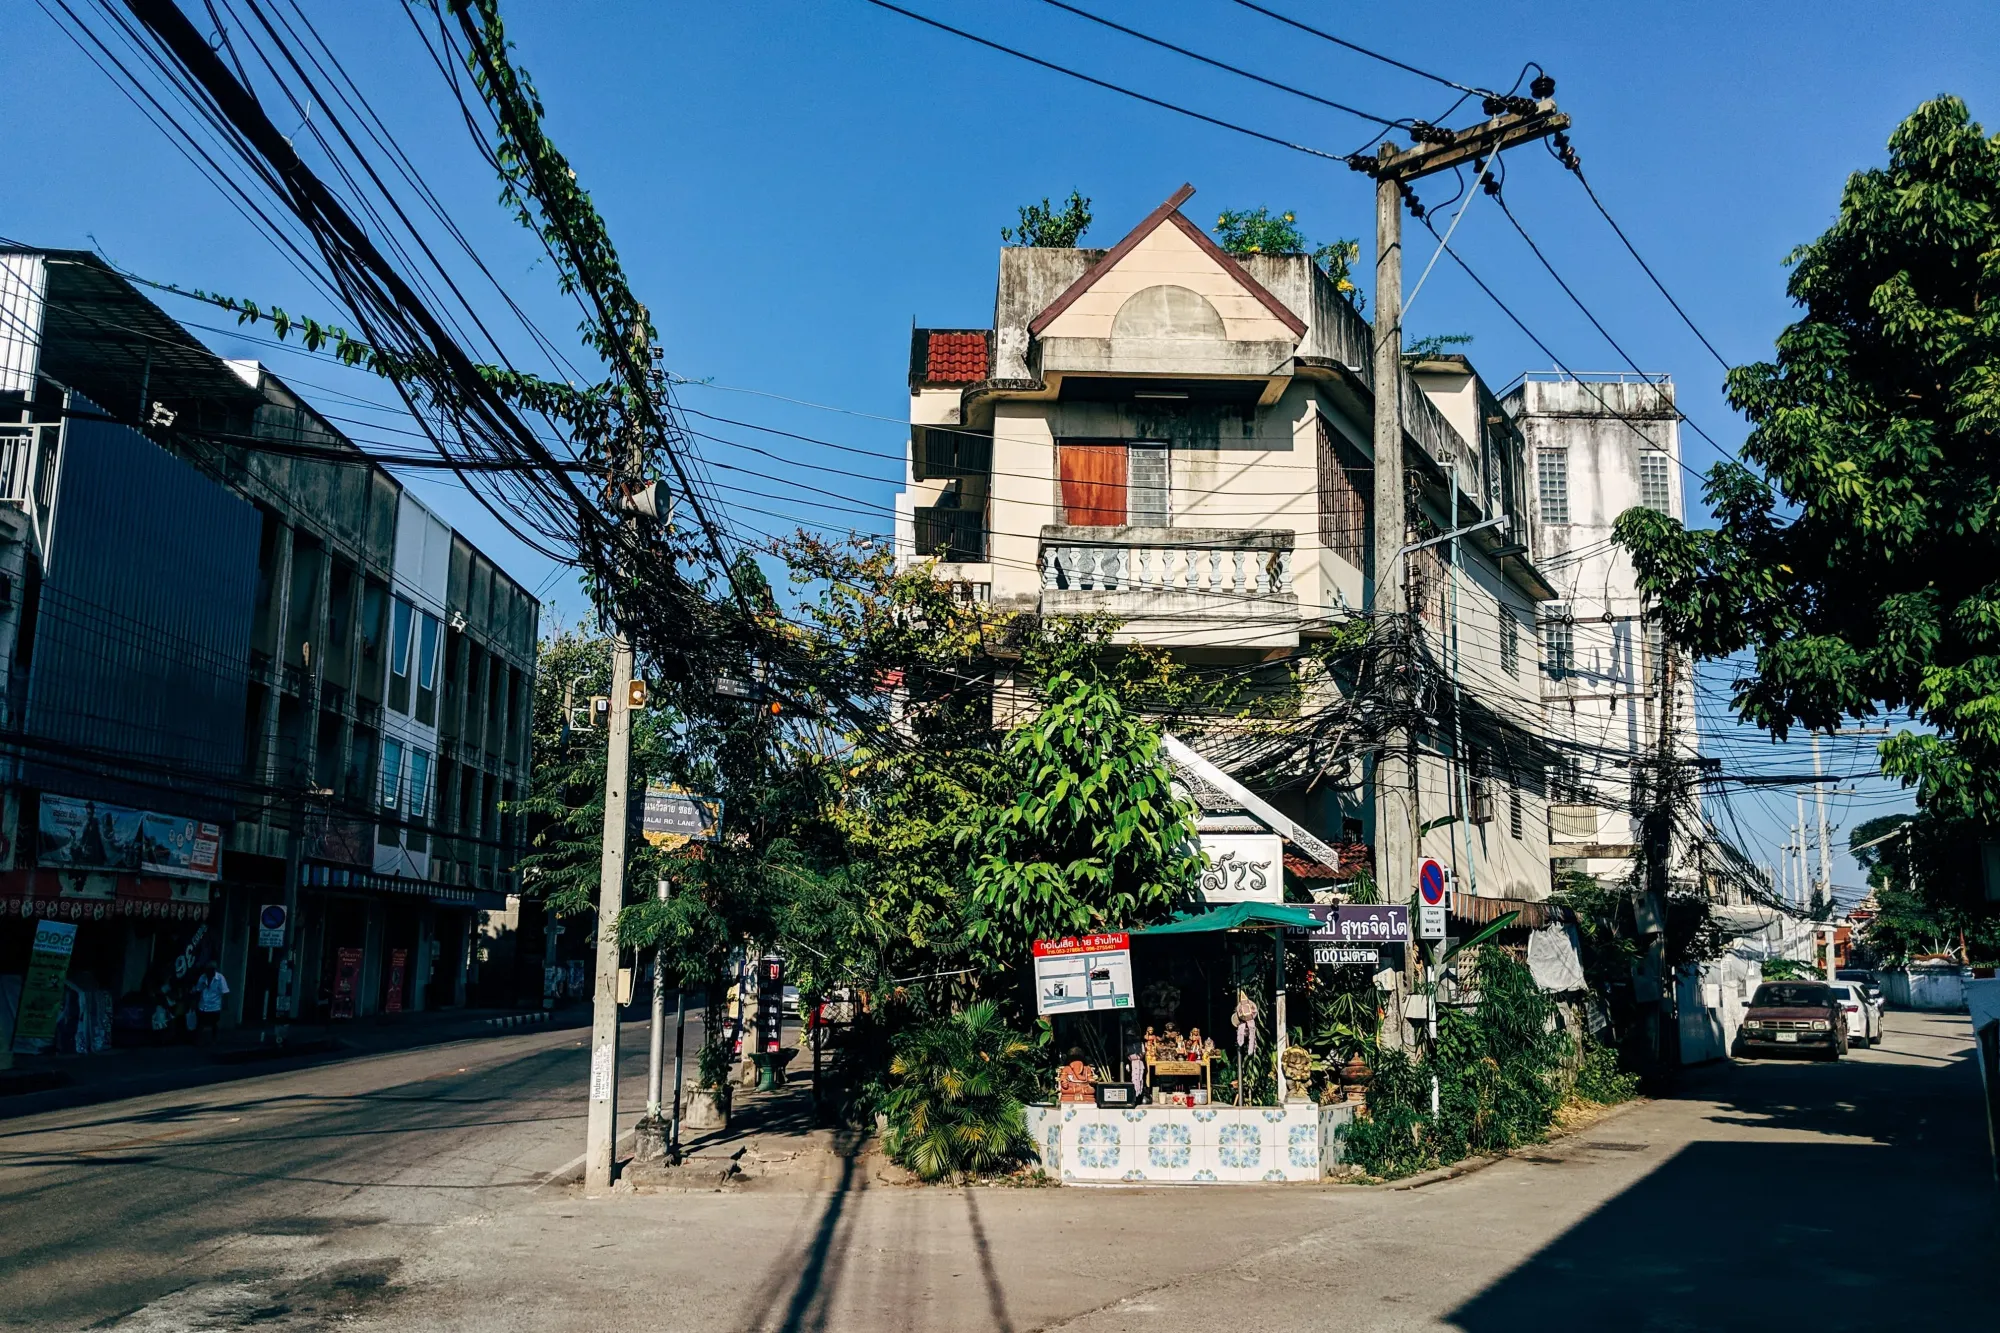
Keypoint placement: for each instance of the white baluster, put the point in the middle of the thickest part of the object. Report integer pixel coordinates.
(1143, 576)
(1214, 583)
(1051, 556)
(1284, 571)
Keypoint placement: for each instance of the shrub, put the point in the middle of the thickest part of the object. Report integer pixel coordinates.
(1600, 1078)
(1498, 1067)
(957, 1088)
(1044, 225)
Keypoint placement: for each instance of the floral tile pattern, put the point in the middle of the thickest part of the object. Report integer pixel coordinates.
(1169, 1146)
(1097, 1146)
(1274, 1175)
(1204, 1116)
(1239, 1146)
(1134, 1174)
(1275, 1115)
(1134, 1114)
(1302, 1145)
(1205, 1176)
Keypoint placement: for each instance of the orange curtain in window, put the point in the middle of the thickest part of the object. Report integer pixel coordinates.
(1093, 484)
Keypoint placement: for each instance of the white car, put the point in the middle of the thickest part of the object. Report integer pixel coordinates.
(1864, 1020)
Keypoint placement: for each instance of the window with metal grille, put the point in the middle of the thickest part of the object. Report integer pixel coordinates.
(1479, 787)
(1146, 485)
(1552, 484)
(1344, 486)
(1575, 822)
(1656, 481)
(952, 535)
(1429, 584)
(1559, 645)
(1510, 643)
(1516, 825)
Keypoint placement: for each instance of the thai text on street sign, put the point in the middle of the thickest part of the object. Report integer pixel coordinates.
(1431, 926)
(1338, 955)
(271, 926)
(1361, 923)
(673, 815)
(1081, 973)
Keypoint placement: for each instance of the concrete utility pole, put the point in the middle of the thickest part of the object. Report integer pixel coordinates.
(1396, 813)
(601, 1130)
(1659, 830)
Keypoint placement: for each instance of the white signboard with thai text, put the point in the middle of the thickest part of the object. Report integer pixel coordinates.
(1242, 868)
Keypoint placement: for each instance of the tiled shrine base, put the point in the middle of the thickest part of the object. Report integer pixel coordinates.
(1081, 1144)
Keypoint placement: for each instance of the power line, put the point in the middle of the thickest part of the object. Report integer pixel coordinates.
(1364, 51)
(1120, 89)
(1383, 121)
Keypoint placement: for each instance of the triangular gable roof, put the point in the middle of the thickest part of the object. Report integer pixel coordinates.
(1165, 213)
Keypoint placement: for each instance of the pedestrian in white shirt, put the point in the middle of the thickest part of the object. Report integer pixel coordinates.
(209, 988)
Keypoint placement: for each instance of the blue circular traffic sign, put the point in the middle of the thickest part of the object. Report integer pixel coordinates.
(1430, 883)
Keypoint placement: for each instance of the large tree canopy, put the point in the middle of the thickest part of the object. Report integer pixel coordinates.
(1857, 552)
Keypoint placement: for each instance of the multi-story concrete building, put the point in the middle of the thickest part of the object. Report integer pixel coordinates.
(230, 624)
(1599, 445)
(1179, 438)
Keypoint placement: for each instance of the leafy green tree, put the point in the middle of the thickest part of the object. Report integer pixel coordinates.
(1095, 839)
(1856, 542)
(1055, 228)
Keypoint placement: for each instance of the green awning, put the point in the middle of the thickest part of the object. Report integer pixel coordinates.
(1236, 916)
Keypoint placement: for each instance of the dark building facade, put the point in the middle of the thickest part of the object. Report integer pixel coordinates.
(248, 670)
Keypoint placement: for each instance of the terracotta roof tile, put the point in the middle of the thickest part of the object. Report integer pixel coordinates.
(956, 358)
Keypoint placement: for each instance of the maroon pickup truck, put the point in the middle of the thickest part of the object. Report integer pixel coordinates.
(1793, 1017)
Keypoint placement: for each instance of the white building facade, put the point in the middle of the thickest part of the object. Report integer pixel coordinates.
(1180, 439)
(1597, 446)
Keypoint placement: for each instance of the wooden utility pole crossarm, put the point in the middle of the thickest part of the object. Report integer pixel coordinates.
(1445, 149)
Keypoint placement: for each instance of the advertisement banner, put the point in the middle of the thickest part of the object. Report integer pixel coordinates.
(673, 814)
(1080, 973)
(42, 986)
(346, 980)
(399, 962)
(75, 834)
(1374, 923)
(1242, 868)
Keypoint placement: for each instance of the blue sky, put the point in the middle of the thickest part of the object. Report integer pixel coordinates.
(793, 185)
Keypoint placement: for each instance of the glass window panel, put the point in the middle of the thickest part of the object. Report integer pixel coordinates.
(392, 773)
(399, 648)
(427, 653)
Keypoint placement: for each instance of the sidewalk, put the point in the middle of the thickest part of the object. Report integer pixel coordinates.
(39, 1083)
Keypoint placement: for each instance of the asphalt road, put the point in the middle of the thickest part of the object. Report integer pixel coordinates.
(402, 1193)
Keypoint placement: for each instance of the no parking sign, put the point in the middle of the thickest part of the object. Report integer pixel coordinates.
(1430, 883)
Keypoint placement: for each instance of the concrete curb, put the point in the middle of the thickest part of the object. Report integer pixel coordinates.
(571, 1172)
(1472, 1164)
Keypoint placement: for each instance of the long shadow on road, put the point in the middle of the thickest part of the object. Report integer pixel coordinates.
(1830, 1197)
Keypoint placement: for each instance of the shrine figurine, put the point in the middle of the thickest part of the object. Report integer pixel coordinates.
(1193, 1044)
(1245, 1018)
(1073, 1082)
(1152, 1044)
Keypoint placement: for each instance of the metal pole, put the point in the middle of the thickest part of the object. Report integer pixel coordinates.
(1799, 848)
(680, 1044)
(1280, 1033)
(1819, 808)
(601, 1130)
(657, 1045)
